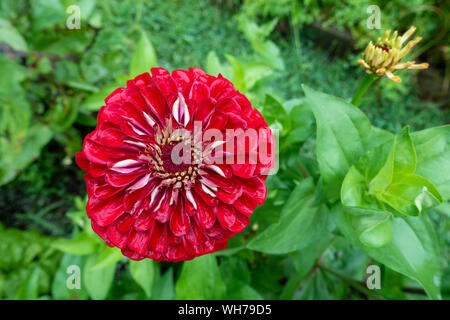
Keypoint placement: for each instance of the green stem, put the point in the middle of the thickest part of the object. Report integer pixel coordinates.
(364, 84)
(353, 283)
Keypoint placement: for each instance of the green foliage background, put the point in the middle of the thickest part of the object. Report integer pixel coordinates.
(317, 232)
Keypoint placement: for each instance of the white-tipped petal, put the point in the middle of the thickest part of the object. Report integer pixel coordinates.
(175, 110)
(136, 130)
(208, 191)
(209, 184)
(142, 182)
(153, 195)
(191, 199)
(160, 202)
(126, 163)
(216, 169)
(180, 110)
(174, 197)
(149, 119)
(135, 143)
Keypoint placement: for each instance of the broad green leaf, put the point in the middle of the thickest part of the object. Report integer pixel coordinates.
(164, 288)
(11, 36)
(144, 57)
(234, 269)
(239, 290)
(401, 160)
(29, 289)
(109, 256)
(316, 287)
(397, 185)
(299, 225)
(410, 194)
(97, 281)
(444, 208)
(344, 134)
(413, 250)
(433, 157)
(143, 272)
(369, 218)
(200, 279)
(81, 244)
(383, 183)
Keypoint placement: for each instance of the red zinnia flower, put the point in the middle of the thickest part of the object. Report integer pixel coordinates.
(151, 206)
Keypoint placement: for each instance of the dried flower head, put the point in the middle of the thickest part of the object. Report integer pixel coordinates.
(384, 57)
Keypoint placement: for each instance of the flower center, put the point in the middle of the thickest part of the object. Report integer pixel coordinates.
(383, 47)
(173, 159)
(168, 154)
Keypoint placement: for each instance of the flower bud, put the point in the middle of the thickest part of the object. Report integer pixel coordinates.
(384, 57)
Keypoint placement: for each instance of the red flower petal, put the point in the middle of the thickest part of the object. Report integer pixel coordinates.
(226, 216)
(179, 221)
(241, 222)
(105, 212)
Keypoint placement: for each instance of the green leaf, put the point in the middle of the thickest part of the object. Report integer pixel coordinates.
(380, 185)
(401, 160)
(304, 261)
(433, 157)
(299, 225)
(241, 291)
(238, 73)
(38, 136)
(97, 281)
(164, 287)
(11, 36)
(413, 250)
(96, 100)
(257, 35)
(411, 194)
(397, 185)
(81, 244)
(213, 65)
(274, 111)
(344, 134)
(302, 124)
(108, 257)
(200, 279)
(29, 289)
(143, 272)
(144, 57)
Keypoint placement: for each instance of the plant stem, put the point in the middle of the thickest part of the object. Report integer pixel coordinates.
(364, 84)
(351, 282)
